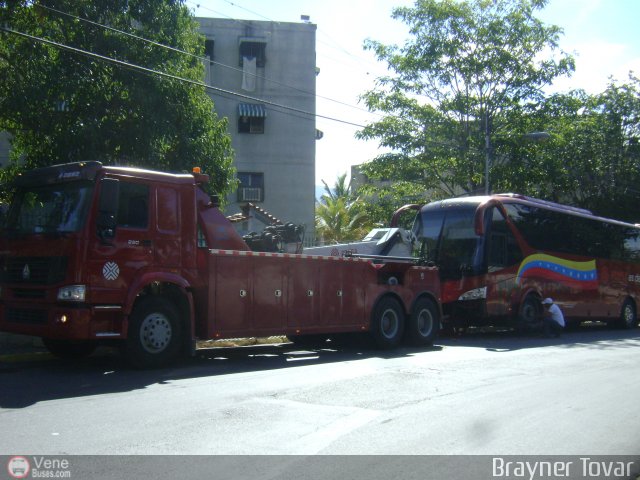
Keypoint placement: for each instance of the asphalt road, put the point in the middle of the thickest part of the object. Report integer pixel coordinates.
(481, 394)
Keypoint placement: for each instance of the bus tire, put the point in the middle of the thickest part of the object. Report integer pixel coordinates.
(628, 317)
(423, 324)
(530, 314)
(69, 349)
(387, 323)
(154, 336)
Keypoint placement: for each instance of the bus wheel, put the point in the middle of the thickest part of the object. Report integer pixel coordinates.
(69, 349)
(423, 324)
(387, 323)
(530, 316)
(628, 318)
(154, 333)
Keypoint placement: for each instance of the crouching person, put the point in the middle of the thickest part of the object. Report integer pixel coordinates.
(553, 319)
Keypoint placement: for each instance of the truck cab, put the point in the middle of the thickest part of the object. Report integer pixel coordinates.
(83, 244)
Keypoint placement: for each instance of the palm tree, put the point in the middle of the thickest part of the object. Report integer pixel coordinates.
(339, 214)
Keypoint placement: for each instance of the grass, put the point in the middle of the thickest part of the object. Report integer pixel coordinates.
(241, 342)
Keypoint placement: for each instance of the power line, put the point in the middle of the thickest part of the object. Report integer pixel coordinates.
(247, 10)
(204, 59)
(335, 45)
(221, 91)
(170, 76)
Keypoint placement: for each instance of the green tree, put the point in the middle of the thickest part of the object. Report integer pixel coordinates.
(61, 105)
(592, 159)
(340, 216)
(466, 65)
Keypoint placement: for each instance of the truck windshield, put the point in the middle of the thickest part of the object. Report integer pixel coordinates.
(446, 236)
(58, 208)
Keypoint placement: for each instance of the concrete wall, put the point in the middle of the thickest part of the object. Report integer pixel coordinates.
(285, 152)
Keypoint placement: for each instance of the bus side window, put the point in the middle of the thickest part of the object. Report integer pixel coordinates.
(503, 247)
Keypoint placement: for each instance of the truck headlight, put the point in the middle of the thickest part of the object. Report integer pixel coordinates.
(475, 294)
(72, 293)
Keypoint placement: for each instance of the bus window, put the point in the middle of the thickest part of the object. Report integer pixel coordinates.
(447, 237)
(503, 248)
(632, 245)
(426, 230)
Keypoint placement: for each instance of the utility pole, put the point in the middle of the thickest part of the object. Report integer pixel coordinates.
(487, 146)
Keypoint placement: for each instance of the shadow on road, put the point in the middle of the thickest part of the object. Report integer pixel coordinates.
(28, 383)
(590, 335)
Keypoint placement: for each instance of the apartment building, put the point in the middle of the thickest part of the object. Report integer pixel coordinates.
(263, 76)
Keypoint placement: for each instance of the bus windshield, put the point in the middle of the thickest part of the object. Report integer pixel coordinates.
(58, 208)
(446, 236)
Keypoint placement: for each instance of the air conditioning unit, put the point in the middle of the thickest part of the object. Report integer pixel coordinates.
(250, 194)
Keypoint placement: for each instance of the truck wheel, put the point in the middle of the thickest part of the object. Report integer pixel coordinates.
(69, 349)
(530, 315)
(154, 333)
(423, 323)
(628, 318)
(387, 323)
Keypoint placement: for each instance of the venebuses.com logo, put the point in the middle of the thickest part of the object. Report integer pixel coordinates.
(38, 467)
(18, 467)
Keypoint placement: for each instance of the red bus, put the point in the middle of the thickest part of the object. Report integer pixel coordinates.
(500, 255)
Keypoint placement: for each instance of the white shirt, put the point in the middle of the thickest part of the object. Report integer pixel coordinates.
(556, 314)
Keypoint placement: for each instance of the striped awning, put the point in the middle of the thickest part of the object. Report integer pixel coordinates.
(252, 110)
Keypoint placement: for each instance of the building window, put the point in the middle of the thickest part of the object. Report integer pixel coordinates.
(250, 125)
(208, 48)
(251, 187)
(251, 118)
(253, 49)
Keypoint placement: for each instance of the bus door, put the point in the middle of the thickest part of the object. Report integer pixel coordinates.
(503, 255)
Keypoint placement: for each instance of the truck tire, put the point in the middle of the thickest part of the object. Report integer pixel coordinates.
(154, 336)
(628, 318)
(387, 323)
(69, 349)
(423, 324)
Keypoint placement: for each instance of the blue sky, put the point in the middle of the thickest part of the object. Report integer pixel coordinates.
(603, 35)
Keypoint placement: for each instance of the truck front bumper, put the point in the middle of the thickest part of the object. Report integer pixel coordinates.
(65, 322)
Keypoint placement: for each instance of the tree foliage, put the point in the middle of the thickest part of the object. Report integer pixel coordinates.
(464, 68)
(61, 105)
(592, 159)
(340, 216)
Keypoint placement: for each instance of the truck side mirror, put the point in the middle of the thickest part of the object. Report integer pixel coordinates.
(108, 208)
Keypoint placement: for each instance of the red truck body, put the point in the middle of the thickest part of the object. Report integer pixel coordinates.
(94, 253)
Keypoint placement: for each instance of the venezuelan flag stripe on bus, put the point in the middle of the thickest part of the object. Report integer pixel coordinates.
(578, 274)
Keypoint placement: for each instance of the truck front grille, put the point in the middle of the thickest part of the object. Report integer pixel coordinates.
(28, 293)
(26, 316)
(34, 270)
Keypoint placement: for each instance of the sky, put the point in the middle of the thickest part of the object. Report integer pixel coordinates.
(603, 36)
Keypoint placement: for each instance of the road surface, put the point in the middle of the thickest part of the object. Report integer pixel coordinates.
(481, 394)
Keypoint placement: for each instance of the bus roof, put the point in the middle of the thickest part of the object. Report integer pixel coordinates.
(515, 198)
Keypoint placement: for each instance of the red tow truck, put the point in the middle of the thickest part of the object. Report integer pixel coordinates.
(92, 254)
